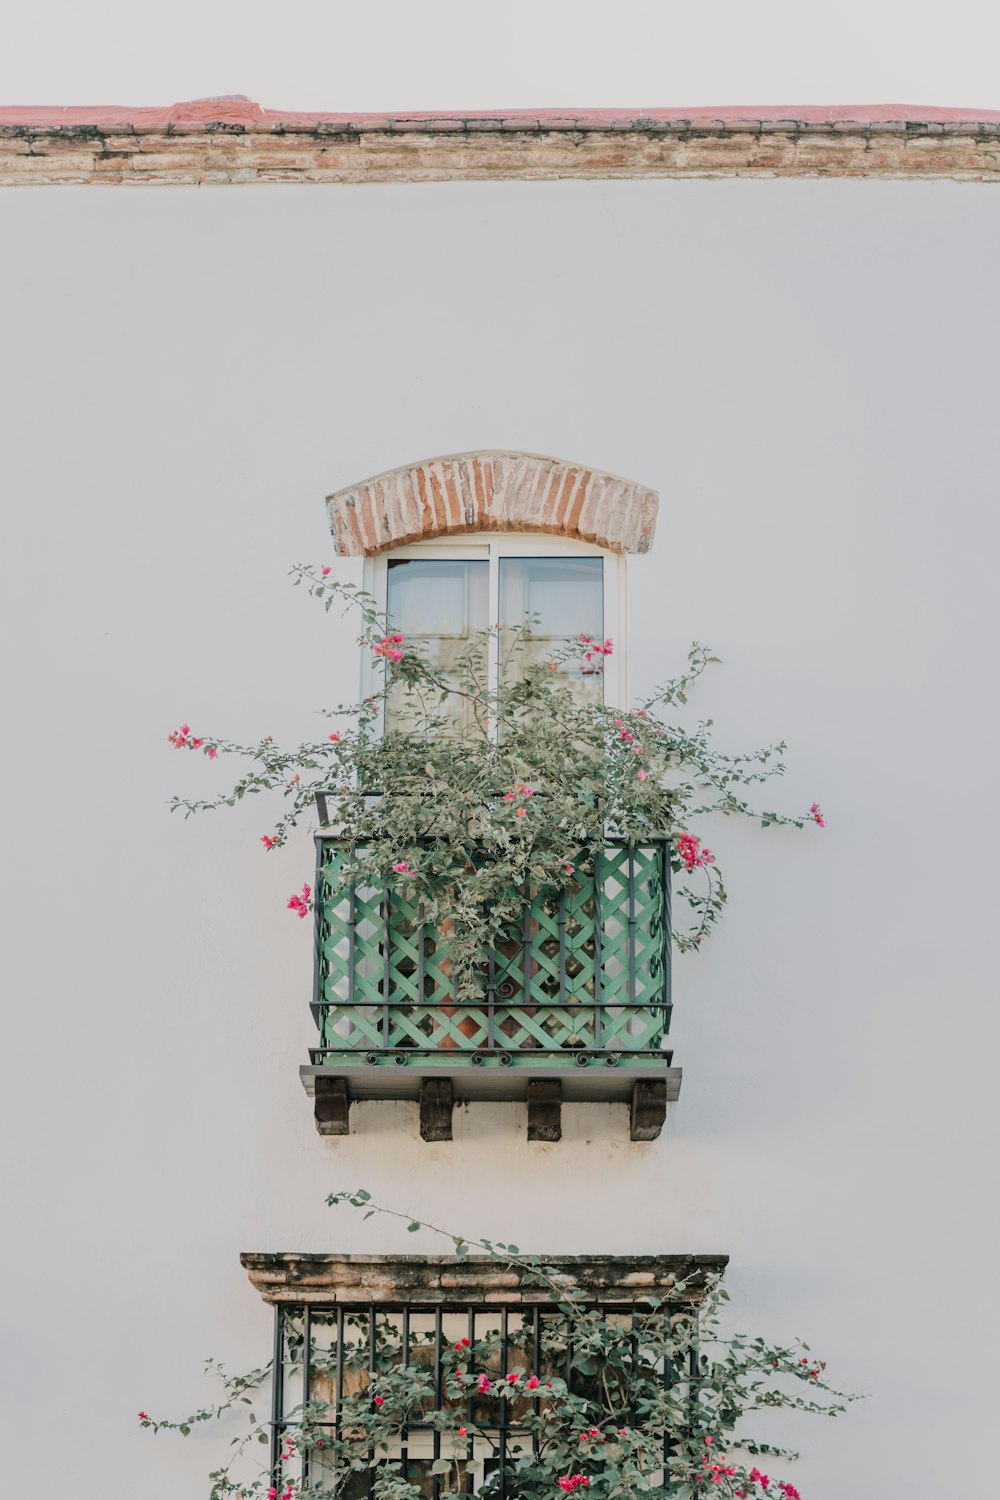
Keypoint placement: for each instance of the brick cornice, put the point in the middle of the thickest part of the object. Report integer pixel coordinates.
(492, 491)
(234, 140)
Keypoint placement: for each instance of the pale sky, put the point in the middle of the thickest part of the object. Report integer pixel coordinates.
(483, 54)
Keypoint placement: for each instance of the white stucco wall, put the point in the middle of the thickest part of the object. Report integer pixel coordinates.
(806, 371)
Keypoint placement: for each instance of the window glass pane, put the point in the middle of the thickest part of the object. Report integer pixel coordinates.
(443, 604)
(567, 596)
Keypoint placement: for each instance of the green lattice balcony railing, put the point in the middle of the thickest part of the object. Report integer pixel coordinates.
(580, 991)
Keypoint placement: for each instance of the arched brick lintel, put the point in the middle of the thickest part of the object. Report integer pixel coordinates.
(492, 491)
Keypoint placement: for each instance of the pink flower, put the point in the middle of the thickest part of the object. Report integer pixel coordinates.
(642, 775)
(522, 812)
(514, 1378)
(462, 1432)
(693, 855)
(267, 841)
(484, 1385)
(211, 752)
(402, 868)
(509, 796)
(817, 816)
(532, 1382)
(301, 904)
(144, 1416)
(325, 570)
(378, 1400)
(388, 647)
(526, 791)
(334, 737)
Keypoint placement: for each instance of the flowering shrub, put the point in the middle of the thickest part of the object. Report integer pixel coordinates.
(600, 1414)
(465, 822)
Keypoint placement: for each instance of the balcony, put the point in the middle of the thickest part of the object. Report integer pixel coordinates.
(575, 1001)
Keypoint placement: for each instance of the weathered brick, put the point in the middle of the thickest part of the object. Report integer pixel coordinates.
(492, 492)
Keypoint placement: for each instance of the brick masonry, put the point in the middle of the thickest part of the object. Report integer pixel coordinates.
(492, 491)
(234, 140)
(473, 1281)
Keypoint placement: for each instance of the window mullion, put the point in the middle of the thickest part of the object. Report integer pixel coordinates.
(493, 665)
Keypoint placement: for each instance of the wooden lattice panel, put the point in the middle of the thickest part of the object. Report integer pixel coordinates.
(586, 970)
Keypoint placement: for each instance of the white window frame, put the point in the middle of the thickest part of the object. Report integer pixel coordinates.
(492, 546)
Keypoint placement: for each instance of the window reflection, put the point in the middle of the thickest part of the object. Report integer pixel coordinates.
(566, 595)
(443, 604)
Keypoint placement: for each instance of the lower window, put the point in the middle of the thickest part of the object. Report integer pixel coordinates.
(451, 1376)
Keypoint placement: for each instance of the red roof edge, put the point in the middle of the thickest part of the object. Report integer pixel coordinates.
(237, 111)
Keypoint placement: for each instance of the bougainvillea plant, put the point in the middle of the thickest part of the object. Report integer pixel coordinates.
(658, 1404)
(470, 795)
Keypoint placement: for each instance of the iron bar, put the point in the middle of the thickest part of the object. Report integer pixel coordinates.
(668, 916)
(536, 1365)
(306, 1382)
(504, 1402)
(386, 964)
(372, 1374)
(491, 999)
(318, 909)
(631, 926)
(598, 945)
(562, 947)
(394, 1342)
(526, 948)
(436, 1442)
(404, 1449)
(352, 937)
(277, 1395)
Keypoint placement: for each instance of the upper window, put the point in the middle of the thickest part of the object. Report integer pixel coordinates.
(445, 593)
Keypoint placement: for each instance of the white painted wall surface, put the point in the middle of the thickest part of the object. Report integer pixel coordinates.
(807, 373)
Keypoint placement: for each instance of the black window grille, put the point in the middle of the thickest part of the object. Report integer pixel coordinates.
(331, 1361)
